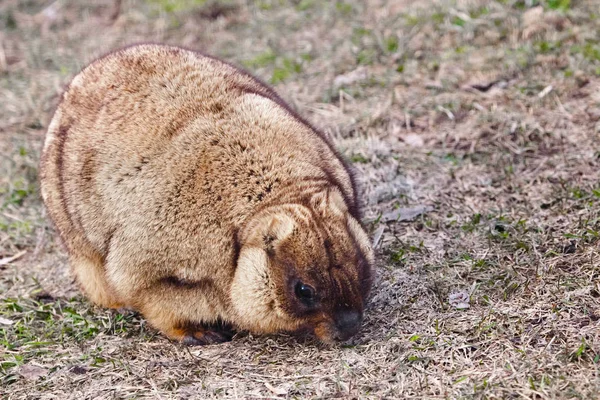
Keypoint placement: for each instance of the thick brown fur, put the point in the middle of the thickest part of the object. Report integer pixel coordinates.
(188, 190)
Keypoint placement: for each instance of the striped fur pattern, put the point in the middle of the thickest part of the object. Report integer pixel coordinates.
(186, 189)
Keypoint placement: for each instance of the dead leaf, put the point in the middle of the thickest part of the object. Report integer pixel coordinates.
(536, 21)
(8, 260)
(377, 235)
(405, 214)
(32, 371)
(359, 74)
(413, 140)
(278, 391)
(533, 21)
(460, 300)
(436, 85)
(6, 321)
(389, 189)
(485, 86)
(544, 92)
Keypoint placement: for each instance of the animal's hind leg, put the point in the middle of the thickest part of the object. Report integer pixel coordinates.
(91, 276)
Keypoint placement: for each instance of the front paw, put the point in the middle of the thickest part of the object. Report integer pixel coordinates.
(194, 334)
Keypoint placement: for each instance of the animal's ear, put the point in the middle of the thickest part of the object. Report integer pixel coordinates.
(267, 230)
(330, 201)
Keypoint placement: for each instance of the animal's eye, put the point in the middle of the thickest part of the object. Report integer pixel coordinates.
(304, 292)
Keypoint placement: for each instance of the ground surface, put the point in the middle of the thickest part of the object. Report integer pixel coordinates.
(486, 111)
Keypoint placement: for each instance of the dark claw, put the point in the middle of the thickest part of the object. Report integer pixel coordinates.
(192, 341)
(218, 337)
(202, 338)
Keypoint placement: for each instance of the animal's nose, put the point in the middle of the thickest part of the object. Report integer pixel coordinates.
(347, 323)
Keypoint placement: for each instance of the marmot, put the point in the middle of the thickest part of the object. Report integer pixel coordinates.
(187, 189)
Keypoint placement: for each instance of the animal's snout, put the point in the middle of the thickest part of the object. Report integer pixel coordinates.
(347, 324)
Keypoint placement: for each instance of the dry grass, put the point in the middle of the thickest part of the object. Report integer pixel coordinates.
(488, 111)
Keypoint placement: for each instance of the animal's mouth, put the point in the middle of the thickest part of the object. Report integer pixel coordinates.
(344, 326)
(328, 334)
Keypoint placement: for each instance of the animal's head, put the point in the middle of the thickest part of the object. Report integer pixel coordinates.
(303, 267)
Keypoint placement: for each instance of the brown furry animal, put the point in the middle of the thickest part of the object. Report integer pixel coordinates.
(188, 190)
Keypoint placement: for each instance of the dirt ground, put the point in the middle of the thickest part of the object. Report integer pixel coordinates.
(474, 127)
